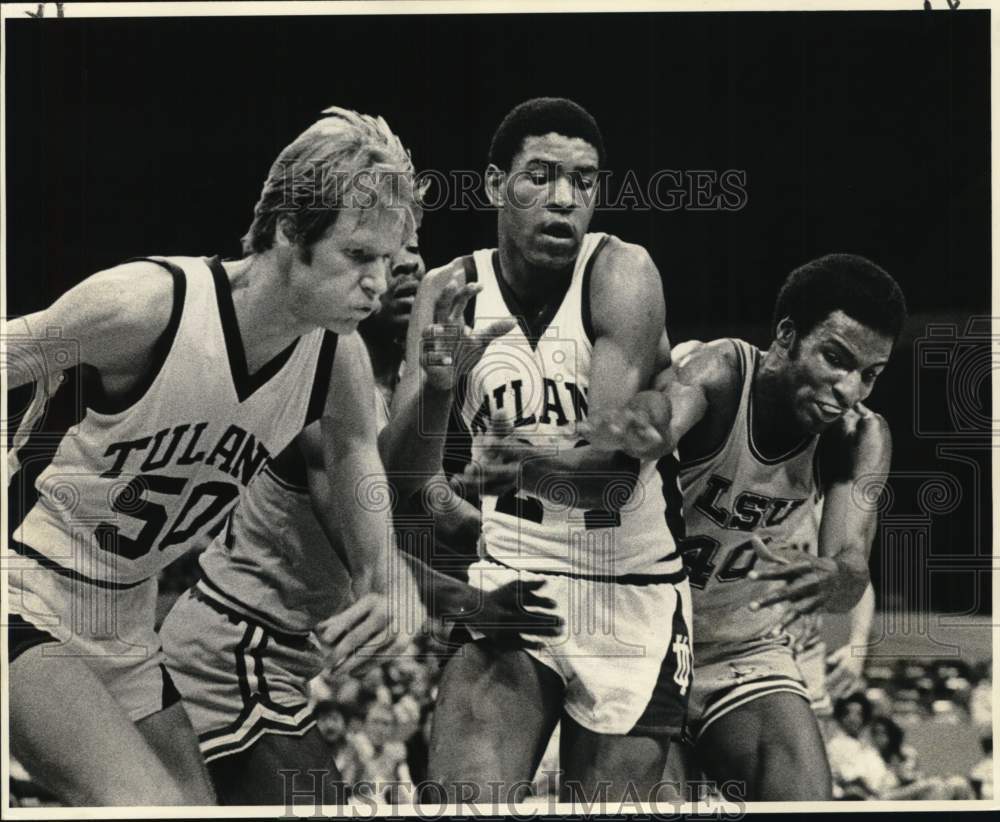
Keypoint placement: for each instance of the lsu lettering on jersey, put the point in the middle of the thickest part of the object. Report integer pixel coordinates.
(731, 495)
(113, 493)
(273, 561)
(543, 385)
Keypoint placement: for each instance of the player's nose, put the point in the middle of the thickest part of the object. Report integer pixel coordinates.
(849, 389)
(375, 280)
(561, 193)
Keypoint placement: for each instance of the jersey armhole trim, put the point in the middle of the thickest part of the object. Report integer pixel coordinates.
(471, 276)
(321, 382)
(100, 403)
(585, 312)
(742, 362)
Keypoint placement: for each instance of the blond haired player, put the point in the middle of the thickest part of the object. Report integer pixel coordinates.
(191, 374)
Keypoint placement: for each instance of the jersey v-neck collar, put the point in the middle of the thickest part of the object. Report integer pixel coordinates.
(534, 329)
(244, 383)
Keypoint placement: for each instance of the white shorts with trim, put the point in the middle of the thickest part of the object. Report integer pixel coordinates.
(624, 654)
(812, 665)
(110, 629)
(240, 680)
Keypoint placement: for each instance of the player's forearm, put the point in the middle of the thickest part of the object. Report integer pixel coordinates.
(595, 479)
(851, 580)
(412, 444)
(862, 616)
(442, 595)
(364, 529)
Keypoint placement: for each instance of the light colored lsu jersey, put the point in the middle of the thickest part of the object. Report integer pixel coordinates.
(113, 493)
(730, 496)
(273, 561)
(542, 385)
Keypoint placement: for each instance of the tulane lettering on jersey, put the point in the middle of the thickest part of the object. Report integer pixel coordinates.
(540, 380)
(729, 496)
(137, 485)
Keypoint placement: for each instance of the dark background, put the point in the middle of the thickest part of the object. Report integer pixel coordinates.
(862, 132)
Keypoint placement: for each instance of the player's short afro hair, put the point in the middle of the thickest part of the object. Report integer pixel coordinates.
(540, 116)
(846, 282)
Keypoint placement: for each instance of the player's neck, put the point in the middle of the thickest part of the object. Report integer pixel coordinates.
(775, 429)
(259, 306)
(533, 285)
(386, 355)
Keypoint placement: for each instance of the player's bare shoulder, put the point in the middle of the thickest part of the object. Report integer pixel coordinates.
(625, 288)
(619, 262)
(115, 316)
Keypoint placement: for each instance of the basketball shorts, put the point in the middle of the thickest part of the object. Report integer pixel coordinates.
(240, 680)
(624, 654)
(812, 665)
(730, 675)
(110, 629)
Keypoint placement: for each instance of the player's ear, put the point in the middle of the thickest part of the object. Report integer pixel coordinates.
(495, 179)
(784, 334)
(283, 233)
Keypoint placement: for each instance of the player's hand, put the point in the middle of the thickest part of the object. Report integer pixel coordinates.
(808, 580)
(852, 447)
(502, 615)
(844, 672)
(495, 466)
(640, 428)
(361, 636)
(450, 349)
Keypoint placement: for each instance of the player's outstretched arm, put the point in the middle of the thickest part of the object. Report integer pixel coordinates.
(109, 321)
(626, 299)
(857, 449)
(652, 423)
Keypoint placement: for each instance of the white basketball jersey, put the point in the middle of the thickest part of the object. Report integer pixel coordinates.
(543, 384)
(115, 494)
(273, 561)
(730, 496)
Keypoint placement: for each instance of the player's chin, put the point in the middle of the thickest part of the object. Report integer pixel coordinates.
(546, 256)
(344, 325)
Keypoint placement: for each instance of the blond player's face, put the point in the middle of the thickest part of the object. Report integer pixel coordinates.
(348, 269)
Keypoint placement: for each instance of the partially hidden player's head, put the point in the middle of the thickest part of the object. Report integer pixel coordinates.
(853, 713)
(337, 205)
(406, 270)
(836, 321)
(542, 176)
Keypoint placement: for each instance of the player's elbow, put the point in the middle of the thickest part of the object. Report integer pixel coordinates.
(854, 581)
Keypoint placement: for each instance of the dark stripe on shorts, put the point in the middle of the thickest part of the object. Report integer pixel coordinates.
(298, 642)
(625, 579)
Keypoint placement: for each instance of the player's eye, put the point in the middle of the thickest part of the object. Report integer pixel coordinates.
(832, 358)
(583, 181)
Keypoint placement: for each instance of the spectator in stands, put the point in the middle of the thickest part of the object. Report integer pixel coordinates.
(859, 772)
